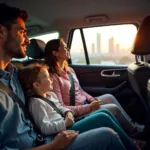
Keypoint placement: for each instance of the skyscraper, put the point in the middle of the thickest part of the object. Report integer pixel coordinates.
(98, 41)
(117, 48)
(111, 45)
(93, 48)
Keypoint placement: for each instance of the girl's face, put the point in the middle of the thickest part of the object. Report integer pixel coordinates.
(63, 52)
(45, 83)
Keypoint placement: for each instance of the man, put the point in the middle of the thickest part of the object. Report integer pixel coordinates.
(16, 130)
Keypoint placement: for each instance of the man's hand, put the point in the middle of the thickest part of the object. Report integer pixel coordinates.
(63, 139)
(94, 105)
(69, 115)
(69, 122)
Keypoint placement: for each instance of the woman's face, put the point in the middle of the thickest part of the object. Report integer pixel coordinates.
(63, 52)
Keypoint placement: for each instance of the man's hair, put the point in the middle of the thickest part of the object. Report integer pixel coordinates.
(28, 75)
(8, 15)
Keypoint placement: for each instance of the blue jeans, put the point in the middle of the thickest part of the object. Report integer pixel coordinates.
(103, 118)
(97, 139)
(110, 103)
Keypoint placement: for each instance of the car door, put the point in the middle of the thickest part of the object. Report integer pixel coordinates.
(105, 72)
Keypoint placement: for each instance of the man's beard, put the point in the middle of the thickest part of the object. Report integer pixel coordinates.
(14, 51)
(18, 55)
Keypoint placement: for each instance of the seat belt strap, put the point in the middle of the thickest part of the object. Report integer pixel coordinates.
(52, 104)
(72, 90)
(16, 99)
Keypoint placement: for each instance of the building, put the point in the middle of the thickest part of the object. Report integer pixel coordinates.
(111, 45)
(93, 48)
(98, 42)
(117, 48)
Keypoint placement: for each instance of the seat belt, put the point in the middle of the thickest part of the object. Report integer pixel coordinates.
(72, 90)
(52, 104)
(15, 98)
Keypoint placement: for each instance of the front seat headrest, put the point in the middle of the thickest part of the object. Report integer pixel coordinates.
(35, 49)
(142, 41)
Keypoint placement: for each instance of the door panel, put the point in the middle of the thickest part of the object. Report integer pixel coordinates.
(98, 80)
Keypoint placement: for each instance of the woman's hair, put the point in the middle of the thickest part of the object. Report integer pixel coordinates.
(28, 75)
(50, 59)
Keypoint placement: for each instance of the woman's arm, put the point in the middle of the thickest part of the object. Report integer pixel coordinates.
(88, 96)
(78, 110)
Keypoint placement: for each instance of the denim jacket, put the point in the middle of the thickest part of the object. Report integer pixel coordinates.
(16, 131)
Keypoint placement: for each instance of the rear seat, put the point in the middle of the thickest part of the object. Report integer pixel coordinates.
(18, 64)
(35, 54)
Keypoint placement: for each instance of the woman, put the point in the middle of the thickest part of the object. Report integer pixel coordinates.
(56, 56)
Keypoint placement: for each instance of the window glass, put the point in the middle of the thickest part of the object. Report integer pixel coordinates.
(77, 50)
(107, 45)
(47, 37)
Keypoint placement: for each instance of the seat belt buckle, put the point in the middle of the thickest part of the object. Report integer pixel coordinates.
(40, 140)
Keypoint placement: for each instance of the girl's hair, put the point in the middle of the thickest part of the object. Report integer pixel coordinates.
(50, 59)
(28, 75)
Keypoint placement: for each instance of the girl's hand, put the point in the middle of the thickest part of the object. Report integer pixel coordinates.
(69, 122)
(69, 115)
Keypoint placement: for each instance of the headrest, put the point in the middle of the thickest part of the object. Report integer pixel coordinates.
(142, 41)
(36, 49)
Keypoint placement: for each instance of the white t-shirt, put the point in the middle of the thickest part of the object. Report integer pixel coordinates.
(45, 117)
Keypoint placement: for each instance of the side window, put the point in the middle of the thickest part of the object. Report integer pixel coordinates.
(106, 45)
(77, 50)
(45, 38)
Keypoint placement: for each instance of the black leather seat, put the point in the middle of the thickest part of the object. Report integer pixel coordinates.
(139, 72)
(35, 52)
(18, 64)
(148, 91)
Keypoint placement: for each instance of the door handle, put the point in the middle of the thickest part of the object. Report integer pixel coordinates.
(109, 73)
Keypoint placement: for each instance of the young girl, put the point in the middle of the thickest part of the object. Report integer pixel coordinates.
(52, 118)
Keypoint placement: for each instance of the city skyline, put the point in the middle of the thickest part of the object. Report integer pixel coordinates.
(123, 34)
(113, 47)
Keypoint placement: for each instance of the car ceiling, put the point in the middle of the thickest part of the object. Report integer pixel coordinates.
(57, 15)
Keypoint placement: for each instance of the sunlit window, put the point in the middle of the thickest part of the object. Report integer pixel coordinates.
(47, 37)
(107, 45)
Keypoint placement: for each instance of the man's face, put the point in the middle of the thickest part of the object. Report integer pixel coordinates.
(16, 41)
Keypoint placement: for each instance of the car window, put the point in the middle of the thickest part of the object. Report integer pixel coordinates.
(105, 45)
(47, 37)
(77, 49)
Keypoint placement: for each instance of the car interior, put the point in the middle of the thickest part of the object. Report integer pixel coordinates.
(86, 26)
